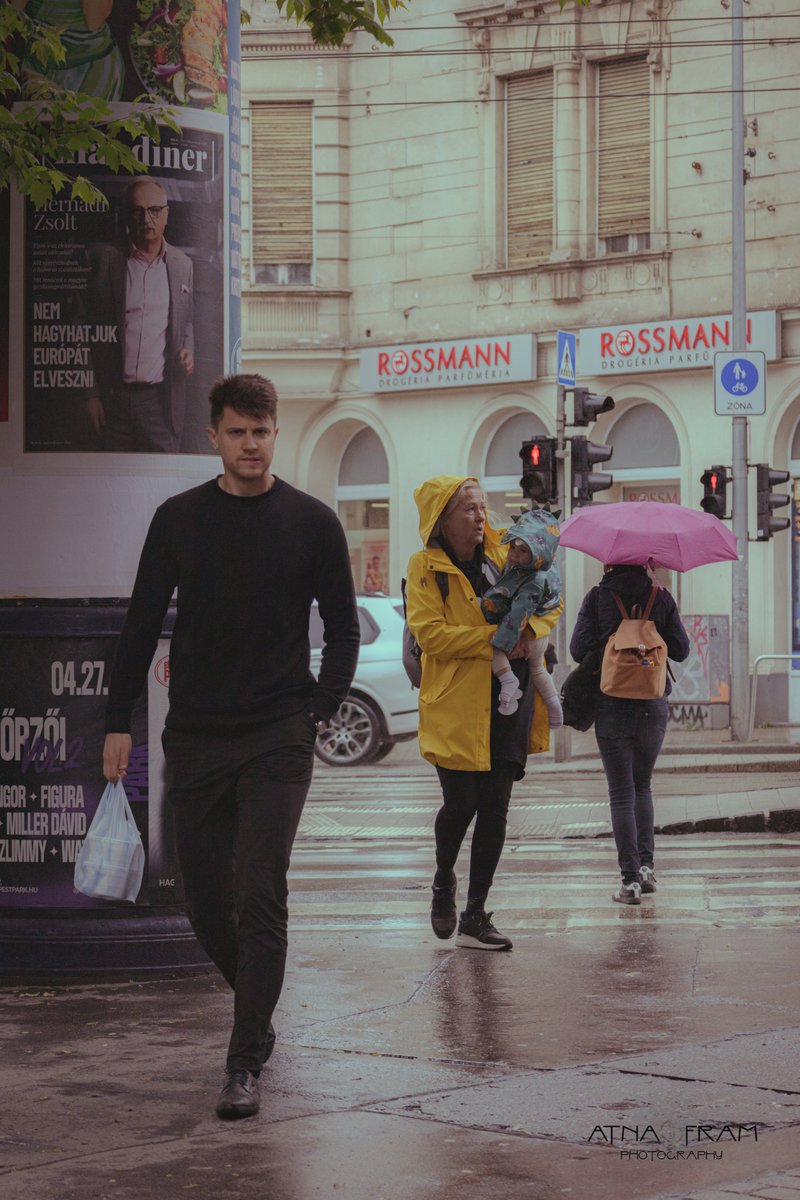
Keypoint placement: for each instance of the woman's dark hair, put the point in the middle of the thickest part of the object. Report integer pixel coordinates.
(248, 395)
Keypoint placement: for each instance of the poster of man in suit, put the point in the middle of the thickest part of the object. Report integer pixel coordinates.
(125, 304)
(140, 378)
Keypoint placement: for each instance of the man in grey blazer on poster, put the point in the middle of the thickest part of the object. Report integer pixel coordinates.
(144, 288)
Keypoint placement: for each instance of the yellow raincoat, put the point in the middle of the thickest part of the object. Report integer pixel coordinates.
(456, 643)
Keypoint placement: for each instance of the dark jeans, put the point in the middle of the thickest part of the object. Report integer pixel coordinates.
(237, 804)
(630, 734)
(484, 795)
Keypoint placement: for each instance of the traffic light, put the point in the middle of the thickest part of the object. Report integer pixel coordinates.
(587, 408)
(715, 484)
(585, 481)
(768, 500)
(539, 479)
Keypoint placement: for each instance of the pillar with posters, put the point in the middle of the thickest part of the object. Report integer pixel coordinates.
(121, 314)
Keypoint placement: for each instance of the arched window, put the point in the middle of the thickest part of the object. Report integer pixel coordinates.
(646, 459)
(644, 437)
(503, 467)
(362, 497)
(794, 453)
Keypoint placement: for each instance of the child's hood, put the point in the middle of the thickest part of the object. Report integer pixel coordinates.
(540, 532)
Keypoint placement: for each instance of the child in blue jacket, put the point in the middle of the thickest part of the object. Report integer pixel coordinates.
(529, 586)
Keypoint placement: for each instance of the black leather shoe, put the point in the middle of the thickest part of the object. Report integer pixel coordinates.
(444, 917)
(240, 1097)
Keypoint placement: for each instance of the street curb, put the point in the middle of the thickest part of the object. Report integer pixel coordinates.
(785, 820)
(588, 766)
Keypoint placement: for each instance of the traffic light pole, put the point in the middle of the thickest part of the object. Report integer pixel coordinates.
(562, 738)
(740, 617)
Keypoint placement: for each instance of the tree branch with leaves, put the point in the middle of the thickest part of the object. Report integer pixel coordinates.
(44, 127)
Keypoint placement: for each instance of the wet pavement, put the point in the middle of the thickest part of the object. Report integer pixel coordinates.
(693, 792)
(408, 1069)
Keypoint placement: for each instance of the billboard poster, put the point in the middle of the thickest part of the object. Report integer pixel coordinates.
(128, 301)
(51, 750)
(5, 366)
(51, 781)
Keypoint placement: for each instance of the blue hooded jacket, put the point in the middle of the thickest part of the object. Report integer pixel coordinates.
(522, 592)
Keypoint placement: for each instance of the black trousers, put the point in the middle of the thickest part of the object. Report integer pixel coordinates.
(484, 796)
(237, 803)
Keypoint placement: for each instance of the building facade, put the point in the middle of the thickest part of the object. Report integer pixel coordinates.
(419, 221)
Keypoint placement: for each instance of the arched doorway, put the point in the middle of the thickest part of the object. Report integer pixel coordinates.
(645, 465)
(502, 467)
(362, 499)
(646, 459)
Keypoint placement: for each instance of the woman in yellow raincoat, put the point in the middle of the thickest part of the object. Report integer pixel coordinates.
(478, 753)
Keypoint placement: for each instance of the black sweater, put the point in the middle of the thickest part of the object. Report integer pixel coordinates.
(247, 569)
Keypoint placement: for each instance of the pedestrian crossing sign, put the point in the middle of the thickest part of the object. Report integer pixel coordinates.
(566, 354)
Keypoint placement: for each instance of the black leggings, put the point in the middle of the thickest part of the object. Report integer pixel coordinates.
(484, 795)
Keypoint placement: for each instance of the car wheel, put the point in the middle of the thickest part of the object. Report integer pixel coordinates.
(353, 735)
(383, 749)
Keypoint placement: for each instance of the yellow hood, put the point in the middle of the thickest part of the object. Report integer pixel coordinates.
(431, 498)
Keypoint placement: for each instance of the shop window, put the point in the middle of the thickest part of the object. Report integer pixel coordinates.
(529, 168)
(623, 156)
(282, 183)
(503, 468)
(362, 497)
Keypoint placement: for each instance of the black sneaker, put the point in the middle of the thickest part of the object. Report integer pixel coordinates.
(444, 917)
(476, 932)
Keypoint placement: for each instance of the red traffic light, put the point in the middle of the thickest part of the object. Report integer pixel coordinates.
(539, 476)
(715, 491)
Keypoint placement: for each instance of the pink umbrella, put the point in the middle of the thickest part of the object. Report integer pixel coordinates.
(647, 532)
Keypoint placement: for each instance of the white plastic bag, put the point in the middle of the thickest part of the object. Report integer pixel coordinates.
(110, 863)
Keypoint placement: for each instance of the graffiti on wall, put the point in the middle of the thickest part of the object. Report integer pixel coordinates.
(704, 678)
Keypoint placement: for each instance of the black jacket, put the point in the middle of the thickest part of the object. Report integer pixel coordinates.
(599, 616)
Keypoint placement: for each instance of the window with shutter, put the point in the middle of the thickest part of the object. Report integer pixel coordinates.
(282, 186)
(529, 168)
(623, 155)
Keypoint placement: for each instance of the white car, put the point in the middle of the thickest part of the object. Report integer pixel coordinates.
(381, 708)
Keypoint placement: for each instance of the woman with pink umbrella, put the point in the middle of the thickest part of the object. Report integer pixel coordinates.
(629, 538)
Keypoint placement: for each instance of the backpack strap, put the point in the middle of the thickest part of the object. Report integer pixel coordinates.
(650, 602)
(443, 584)
(620, 606)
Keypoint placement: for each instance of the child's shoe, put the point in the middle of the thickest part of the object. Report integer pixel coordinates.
(510, 692)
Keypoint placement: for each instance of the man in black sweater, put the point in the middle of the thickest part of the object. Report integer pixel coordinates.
(248, 555)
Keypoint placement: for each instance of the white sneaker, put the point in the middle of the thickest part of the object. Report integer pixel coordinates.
(647, 879)
(628, 893)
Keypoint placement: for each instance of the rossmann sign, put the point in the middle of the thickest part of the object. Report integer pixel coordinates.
(425, 365)
(670, 345)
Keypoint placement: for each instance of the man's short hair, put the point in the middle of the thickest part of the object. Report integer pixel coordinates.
(248, 395)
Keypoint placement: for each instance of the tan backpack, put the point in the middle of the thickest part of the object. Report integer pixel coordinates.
(635, 658)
